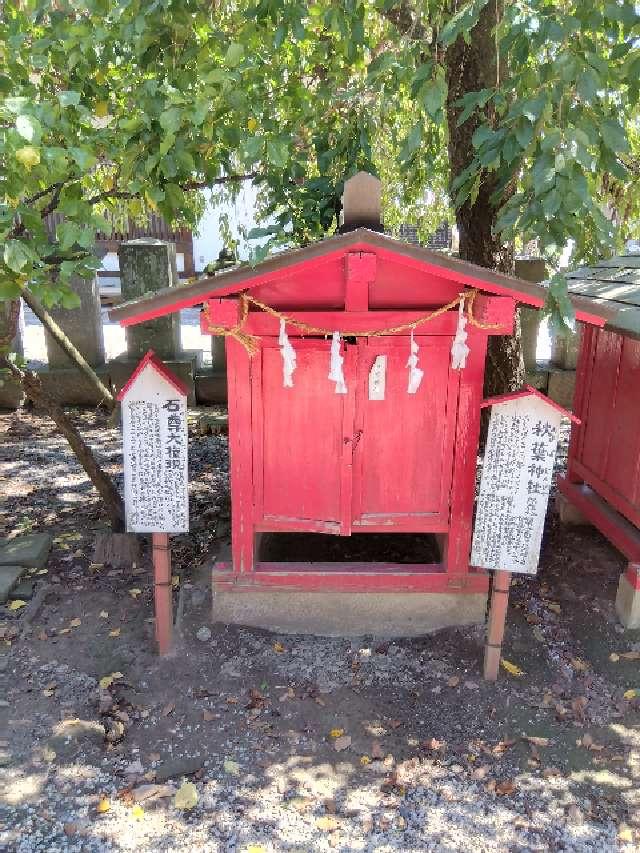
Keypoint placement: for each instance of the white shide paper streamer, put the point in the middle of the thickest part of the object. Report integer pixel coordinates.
(335, 368)
(459, 348)
(415, 374)
(288, 357)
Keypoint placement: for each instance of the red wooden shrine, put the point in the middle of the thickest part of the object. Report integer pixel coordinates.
(306, 459)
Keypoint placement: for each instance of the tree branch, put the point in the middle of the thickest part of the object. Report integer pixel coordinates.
(187, 185)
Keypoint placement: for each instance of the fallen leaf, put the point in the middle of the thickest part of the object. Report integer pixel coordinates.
(395, 724)
(64, 631)
(511, 668)
(145, 792)
(186, 796)
(75, 623)
(364, 760)
(342, 743)
(453, 681)
(175, 581)
(506, 787)
(579, 665)
(16, 604)
(326, 823)
(135, 592)
(103, 806)
(207, 716)
(625, 834)
(336, 733)
(630, 694)
(555, 608)
(171, 706)
(537, 741)
(633, 655)
(104, 614)
(107, 680)
(115, 632)
(231, 767)
(255, 848)
(278, 647)
(376, 750)
(137, 812)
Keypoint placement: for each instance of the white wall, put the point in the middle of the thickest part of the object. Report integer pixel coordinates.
(207, 242)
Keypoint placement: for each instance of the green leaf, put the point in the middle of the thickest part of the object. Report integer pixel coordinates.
(16, 255)
(277, 153)
(83, 157)
(524, 133)
(28, 156)
(587, 85)
(614, 136)
(433, 95)
(29, 128)
(69, 99)
(235, 53)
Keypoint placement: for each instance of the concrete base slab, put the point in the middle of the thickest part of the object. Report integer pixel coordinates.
(9, 577)
(351, 614)
(24, 590)
(628, 604)
(30, 551)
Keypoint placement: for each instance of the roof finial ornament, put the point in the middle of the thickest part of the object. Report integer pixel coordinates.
(361, 203)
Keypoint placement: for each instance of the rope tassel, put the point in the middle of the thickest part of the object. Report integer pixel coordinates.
(415, 374)
(335, 369)
(288, 356)
(459, 348)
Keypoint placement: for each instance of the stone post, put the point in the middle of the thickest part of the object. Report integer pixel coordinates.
(11, 394)
(147, 266)
(530, 269)
(82, 325)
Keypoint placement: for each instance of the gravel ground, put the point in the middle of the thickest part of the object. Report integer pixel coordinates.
(294, 743)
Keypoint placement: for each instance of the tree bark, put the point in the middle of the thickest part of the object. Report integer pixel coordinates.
(470, 67)
(65, 344)
(106, 489)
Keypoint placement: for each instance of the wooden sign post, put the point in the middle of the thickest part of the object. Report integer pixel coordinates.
(512, 504)
(155, 448)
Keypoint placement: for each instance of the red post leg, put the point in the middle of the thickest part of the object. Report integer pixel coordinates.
(162, 591)
(241, 452)
(458, 545)
(495, 625)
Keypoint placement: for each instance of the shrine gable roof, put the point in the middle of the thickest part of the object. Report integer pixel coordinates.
(289, 264)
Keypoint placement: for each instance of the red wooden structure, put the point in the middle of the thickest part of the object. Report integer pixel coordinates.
(306, 459)
(603, 472)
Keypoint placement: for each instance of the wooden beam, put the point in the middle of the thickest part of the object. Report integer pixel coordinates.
(495, 625)
(162, 595)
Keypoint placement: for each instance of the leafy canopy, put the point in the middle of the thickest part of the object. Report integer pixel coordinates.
(142, 103)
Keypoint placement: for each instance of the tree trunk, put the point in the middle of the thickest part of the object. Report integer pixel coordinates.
(471, 67)
(65, 344)
(106, 489)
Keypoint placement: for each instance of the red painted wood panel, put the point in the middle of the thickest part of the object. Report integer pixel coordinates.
(303, 432)
(320, 285)
(621, 471)
(403, 457)
(597, 432)
(405, 287)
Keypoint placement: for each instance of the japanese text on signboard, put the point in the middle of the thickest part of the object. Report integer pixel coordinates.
(514, 489)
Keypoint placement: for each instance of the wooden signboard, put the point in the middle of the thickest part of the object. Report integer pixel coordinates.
(155, 449)
(154, 426)
(514, 491)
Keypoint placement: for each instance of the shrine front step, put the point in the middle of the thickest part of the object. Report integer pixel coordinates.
(349, 614)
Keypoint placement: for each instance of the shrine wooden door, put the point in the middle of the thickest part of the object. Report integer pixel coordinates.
(301, 461)
(334, 463)
(404, 455)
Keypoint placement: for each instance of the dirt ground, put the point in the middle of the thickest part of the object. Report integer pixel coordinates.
(289, 742)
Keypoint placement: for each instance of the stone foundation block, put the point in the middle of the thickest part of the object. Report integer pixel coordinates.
(562, 385)
(30, 551)
(71, 387)
(211, 386)
(569, 513)
(628, 603)
(351, 614)
(11, 393)
(9, 577)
